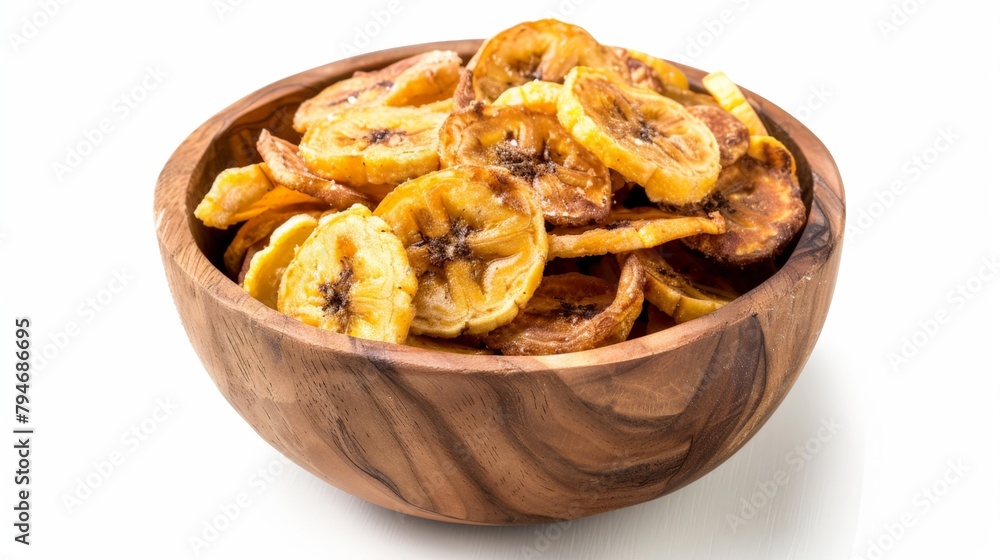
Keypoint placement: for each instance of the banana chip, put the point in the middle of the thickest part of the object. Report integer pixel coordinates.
(672, 292)
(539, 96)
(652, 73)
(572, 312)
(278, 198)
(574, 187)
(263, 275)
(648, 138)
(285, 167)
(476, 240)
(730, 133)
(233, 191)
(539, 50)
(376, 145)
(351, 276)
(761, 203)
(259, 228)
(630, 230)
(732, 99)
(417, 80)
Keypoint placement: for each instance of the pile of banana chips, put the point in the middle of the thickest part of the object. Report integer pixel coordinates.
(552, 195)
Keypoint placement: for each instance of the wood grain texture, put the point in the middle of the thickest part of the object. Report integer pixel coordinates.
(492, 439)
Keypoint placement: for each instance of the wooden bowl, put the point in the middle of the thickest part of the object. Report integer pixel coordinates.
(492, 439)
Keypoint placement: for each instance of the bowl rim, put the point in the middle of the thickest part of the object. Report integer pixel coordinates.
(176, 240)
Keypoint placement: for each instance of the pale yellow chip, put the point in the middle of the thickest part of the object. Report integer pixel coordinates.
(536, 95)
(732, 99)
(233, 191)
(263, 276)
(351, 276)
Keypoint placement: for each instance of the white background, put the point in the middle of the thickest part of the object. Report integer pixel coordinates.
(877, 96)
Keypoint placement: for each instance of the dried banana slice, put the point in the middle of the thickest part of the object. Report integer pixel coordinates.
(730, 133)
(260, 228)
(674, 293)
(416, 80)
(351, 276)
(762, 205)
(651, 72)
(574, 187)
(284, 165)
(630, 230)
(572, 312)
(278, 198)
(539, 96)
(539, 50)
(233, 191)
(263, 275)
(476, 239)
(731, 99)
(376, 145)
(648, 138)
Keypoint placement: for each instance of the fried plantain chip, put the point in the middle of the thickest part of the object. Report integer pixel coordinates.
(539, 50)
(761, 203)
(263, 275)
(285, 167)
(732, 99)
(730, 133)
(572, 312)
(232, 192)
(376, 145)
(672, 292)
(650, 72)
(630, 230)
(260, 228)
(573, 186)
(648, 138)
(417, 80)
(351, 276)
(539, 96)
(476, 239)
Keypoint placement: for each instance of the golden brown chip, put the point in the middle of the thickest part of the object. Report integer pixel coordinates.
(351, 276)
(260, 228)
(233, 191)
(648, 138)
(539, 50)
(376, 145)
(672, 292)
(573, 186)
(762, 206)
(731, 134)
(476, 239)
(417, 80)
(630, 230)
(572, 312)
(263, 275)
(285, 166)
